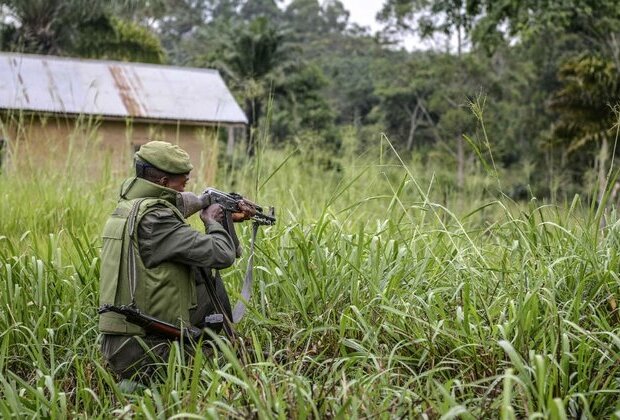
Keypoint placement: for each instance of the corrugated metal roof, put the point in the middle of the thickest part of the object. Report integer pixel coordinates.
(115, 89)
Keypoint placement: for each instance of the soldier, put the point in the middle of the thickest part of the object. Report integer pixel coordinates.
(151, 256)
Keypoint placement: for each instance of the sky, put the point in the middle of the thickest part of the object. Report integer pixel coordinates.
(363, 12)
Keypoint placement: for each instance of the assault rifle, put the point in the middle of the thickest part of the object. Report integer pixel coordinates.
(153, 325)
(230, 202)
(191, 203)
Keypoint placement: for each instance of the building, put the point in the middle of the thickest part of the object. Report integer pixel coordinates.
(54, 110)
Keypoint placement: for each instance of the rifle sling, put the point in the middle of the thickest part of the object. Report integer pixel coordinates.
(246, 290)
(229, 226)
(219, 307)
(131, 258)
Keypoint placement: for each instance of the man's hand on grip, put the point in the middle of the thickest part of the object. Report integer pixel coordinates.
(247, 211)
(213, 212)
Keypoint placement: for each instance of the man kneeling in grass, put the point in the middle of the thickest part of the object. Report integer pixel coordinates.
(152, 261)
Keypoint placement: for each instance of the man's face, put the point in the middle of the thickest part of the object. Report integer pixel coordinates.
(176, 182)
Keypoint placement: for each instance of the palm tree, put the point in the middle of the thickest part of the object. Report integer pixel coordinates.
(86, 28)
(252, 57)
(46, 26)
(587, 104)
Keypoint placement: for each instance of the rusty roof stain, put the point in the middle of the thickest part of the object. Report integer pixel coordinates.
(115, 89)
(126, 90)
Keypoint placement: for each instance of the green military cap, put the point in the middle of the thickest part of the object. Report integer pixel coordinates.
(165, 156)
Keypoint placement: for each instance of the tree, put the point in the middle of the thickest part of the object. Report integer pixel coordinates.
(335, 16)
(428, 17)
(112, 38)
(305, 17)
(587, 103)
(404, 90)
(596, 20)
(250, 56)
(490, 22)
(585, 90)
(74, 27)
(301, 106)
(176, 20)
(45, 27)
(261, 8)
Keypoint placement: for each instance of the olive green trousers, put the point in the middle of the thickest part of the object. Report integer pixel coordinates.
(142, 358)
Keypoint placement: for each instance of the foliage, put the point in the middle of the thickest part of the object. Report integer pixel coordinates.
(551, 37)
(587, 102)
(303, 72)
(301, 106)
(427, 17)
(260, 67)
(490, 22)
(267, 9)
(251, 57)
(382, 295)
(115, 39)
(46, 27)
(592, 19)
(74, 27)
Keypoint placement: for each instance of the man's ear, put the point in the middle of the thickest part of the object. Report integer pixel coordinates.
(163, 181)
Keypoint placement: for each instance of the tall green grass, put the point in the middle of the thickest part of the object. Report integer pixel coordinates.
(382, 291)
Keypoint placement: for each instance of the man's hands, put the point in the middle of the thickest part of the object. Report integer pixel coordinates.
(213, 212)
(216, 213)
(247, 211)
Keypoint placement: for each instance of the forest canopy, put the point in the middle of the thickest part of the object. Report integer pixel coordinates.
(532, 86)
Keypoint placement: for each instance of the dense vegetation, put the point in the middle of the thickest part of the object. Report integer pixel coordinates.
(384, 294)
(547, 72)
(447, 243)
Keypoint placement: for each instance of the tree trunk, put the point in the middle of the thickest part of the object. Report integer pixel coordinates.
(230, 145)
(412, 127)
(460, 162)
(253, 109)
(602, 177)
(430, 121)
(459, 41)
(613, 44)
(357, 119)
(460, 146)
(602, 168)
